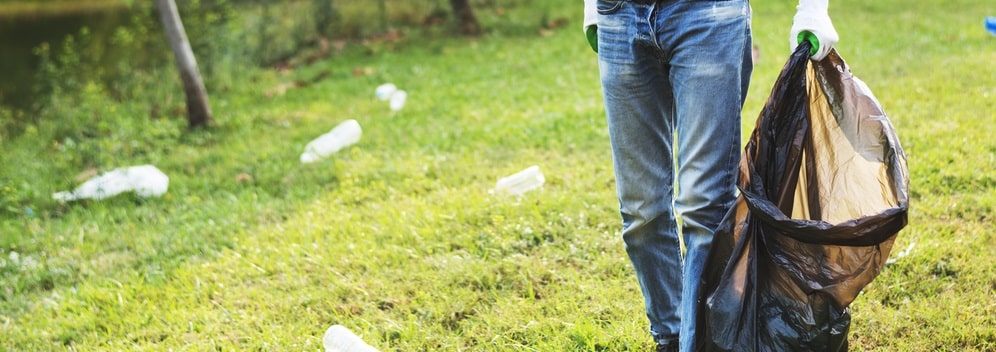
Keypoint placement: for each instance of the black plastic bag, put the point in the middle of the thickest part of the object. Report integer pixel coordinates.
(823, 187)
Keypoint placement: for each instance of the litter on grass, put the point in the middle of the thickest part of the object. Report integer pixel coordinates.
(521, 182)
(384, 91)
(901, 254)
(345, 134)
(398, 100)
(145, 180)
(338, 338)
(396, 97)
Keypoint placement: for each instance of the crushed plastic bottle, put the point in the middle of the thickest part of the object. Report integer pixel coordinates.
(343, 135)
(144, 180)
(338, 338)
(991, 25)
(521, 182)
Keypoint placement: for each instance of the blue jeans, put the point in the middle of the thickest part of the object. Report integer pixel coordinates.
(674, 74)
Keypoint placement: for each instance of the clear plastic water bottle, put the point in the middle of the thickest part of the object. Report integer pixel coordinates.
(343, 135)
(340, 339)
(521, 182)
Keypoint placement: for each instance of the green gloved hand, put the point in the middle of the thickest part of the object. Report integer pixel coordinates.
(812, 23)
(814, 41)
(591, 32)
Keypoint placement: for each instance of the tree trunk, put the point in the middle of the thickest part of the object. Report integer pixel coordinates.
(465, 16)
(198, 111)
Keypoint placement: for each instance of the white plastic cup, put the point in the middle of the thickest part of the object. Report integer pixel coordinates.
(521, 182)
(398, 100)
(343, 135)
(338, 338)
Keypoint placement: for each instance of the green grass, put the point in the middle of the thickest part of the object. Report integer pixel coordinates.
(398, 238)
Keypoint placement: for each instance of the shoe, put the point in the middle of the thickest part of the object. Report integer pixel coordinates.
(670, 347)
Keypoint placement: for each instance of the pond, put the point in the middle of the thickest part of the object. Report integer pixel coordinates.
(20, 36)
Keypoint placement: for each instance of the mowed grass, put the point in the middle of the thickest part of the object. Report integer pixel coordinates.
(399, 239)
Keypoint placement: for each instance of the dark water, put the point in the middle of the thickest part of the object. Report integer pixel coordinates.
(20, 36)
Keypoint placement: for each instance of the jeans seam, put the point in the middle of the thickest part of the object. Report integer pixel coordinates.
(661, 53)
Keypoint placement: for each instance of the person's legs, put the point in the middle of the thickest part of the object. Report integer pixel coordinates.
(673, 67)
(709, 48)
(639, 107)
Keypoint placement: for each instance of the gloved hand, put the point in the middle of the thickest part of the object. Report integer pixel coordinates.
(812, 23)
(591, 23)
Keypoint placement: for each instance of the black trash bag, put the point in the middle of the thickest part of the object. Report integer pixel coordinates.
(823, 194)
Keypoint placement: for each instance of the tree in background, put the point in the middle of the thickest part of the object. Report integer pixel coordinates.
(198, 110)
(326, 17)
(465, 16)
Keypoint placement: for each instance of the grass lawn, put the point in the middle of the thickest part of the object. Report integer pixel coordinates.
(398, 237)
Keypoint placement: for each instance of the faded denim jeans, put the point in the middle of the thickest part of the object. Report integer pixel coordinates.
(674, 76)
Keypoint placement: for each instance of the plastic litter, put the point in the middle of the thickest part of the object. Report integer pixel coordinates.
(398, 100)
(390, 92)
(338, 338)
(521, 182)
(991, 25)
(346, 133)
(823, 194)
(902, 254)
(144, 180)
(384, 91)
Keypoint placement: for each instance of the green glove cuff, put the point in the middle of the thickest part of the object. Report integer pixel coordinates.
(592, 34)
(812, 39)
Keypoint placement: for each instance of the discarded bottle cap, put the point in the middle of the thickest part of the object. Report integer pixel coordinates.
(343, 135)
(521, 182)
(338, 338)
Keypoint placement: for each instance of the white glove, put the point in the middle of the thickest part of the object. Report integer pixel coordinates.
(812, 22)
(590, 25)
(590, 14)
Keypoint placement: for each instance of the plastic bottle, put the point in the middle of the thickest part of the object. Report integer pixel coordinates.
(398, 100)
(145, 180)
(521, 182)
(384, 91)
(343, 135)
(991, 25)
(339, 339)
